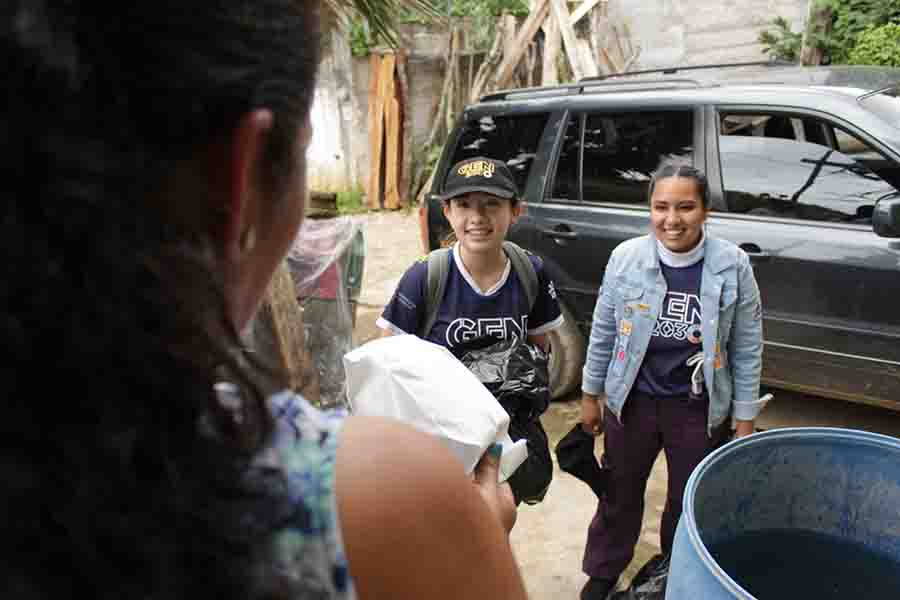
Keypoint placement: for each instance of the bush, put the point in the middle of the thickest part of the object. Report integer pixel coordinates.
(780, 41)
(851, 18)
(878, 46)
(361, 40)
(350, 201)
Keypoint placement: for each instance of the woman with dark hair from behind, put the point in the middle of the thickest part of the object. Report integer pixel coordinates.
(154, 178)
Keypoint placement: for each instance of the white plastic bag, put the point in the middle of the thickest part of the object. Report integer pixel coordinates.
(422, 384)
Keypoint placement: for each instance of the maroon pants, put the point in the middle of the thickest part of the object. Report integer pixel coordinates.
(648, 425)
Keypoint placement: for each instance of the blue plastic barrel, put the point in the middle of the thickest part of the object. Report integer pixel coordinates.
(792, 513)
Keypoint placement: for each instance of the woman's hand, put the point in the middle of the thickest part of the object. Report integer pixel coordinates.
(453, 548)
(498, 496)
(592, 413)
(743, 428)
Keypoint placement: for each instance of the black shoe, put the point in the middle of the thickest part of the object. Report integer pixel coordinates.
(597, 589)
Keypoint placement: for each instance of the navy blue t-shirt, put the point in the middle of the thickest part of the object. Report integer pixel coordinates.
(467, 318)
(676, 335)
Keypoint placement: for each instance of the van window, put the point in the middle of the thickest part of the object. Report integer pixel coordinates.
(800, 168)
(511, 138)
(619, 152)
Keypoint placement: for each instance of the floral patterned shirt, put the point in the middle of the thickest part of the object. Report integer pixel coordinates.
(308, 551)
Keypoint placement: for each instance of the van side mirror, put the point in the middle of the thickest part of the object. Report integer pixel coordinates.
(886, 216)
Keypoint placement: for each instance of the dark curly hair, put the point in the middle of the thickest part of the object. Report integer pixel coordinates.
(123, 475)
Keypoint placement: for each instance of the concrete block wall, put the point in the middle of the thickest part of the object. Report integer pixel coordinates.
(692, 32)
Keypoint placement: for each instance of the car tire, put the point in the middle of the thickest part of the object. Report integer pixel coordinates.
(567, 348)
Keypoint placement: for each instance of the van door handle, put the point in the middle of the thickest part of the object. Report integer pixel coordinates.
(560, 234)
(755, 253)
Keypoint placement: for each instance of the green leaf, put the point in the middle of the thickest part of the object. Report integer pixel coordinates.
(381, 14)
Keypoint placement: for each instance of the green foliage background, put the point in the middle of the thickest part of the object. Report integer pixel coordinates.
(851, 20)
(483, 14)
(878, 46)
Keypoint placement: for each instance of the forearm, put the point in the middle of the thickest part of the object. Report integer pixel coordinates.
(454, 548)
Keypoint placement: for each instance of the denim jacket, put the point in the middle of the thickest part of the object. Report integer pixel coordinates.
(634, 289)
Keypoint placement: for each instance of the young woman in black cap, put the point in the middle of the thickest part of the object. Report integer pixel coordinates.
(488, 289)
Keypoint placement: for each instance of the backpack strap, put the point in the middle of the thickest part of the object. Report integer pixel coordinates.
(438, 263)
(524, 269)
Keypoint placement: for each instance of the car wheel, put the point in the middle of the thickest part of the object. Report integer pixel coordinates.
(567, 347)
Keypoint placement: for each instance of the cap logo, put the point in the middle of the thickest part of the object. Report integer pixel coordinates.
(478, 168)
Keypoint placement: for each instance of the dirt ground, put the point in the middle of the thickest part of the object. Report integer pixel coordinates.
(548, 539)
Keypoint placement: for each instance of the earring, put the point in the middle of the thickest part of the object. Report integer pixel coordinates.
(248, 239)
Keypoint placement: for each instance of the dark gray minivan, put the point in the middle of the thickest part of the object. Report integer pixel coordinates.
(804, 178)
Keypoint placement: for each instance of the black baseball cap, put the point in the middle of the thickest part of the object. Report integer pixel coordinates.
(480, 174)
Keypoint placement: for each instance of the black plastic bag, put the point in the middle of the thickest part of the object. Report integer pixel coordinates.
(575, 455)
(649, 583)
(517, 374)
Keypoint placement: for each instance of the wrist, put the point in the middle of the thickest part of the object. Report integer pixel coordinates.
(743, 428)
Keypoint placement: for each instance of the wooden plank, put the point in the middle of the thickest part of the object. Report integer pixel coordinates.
(406, 128)
(568, 35)
(452, 80)
(531, 62)
(373, 190)
(526, 33)
(509, 34)
(630, 48)
(587, 58)
(614, 67)
(583, 9)
(392, 157)
(385, 82)
(597, 29)
(391, 137)
(552, 40)
(486, 72)
(621, 56)
(636, 54)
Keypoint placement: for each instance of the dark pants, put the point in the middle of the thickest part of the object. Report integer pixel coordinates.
(676, 425)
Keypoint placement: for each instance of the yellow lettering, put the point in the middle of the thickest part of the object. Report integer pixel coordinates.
(477, 168)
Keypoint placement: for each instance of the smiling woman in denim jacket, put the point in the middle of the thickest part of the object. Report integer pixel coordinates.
(675, 351)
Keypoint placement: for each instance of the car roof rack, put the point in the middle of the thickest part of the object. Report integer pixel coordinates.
(618, 82)
(591, 87)
(671, 70)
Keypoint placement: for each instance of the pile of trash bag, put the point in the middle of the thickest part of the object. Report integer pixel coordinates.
(326, 263)
(517, 374)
